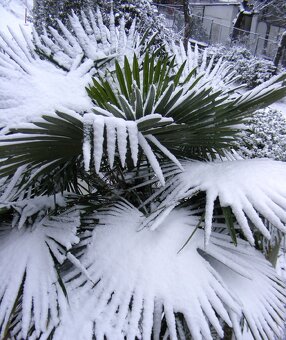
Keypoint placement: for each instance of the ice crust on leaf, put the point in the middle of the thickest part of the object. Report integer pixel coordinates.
(27, 260)
(141, 275)
(251, 188)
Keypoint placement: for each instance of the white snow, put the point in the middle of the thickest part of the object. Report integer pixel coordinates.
(43, 87)
(28, 251)
(138, 274)
(31, 87)
(249, 187)
(133, 140)
(98, 139)
(12, 14)
(159, 278)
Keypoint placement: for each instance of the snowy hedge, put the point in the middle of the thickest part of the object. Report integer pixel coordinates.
(253, 71)
(266, 135)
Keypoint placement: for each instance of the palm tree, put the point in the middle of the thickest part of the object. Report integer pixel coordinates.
(126, 212)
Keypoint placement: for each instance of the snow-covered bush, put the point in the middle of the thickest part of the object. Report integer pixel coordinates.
(253, 71)
(144, 11)
(265, 136)
(47, 13)
(120, 216)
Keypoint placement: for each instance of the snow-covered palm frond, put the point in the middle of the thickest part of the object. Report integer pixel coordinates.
(180, 113)
(251, 188)
(88, 41)
(161, 115)
(139, 281)
(117, 131)
(220, 75)
(42, 87)
(31, 292)
(52, 74)
(264, 315)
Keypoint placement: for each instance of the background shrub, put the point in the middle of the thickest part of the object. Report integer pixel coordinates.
(252, 70)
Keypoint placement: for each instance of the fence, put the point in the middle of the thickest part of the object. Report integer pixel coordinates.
(206, 31)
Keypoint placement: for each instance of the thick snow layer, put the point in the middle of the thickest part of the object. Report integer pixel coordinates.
(139, 275)
(42, 87)
(249, 187)
(32, 86)
(28, 255)
(12, 14)
(43, 91)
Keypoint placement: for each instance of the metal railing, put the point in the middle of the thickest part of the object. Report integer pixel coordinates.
(206, 31)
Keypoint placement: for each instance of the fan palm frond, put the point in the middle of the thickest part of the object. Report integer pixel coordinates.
(41, 86)
(219, 74)
(163, 282)
(87, 41)
(170, 114)
(53, 73)
(31, 291)
(161, 115)
(250, 188)
(50, 146)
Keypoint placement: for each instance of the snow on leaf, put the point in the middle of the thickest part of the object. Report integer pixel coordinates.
(89, 37)
(27, 259)
(262, 296)
(98, 138)
(219, 77)
(151, 157)
(41, 87)
(117, 130)
(121, 129)
(55, 76)
(251, 188)
(141, 277)
(133, 140)
(111, 140)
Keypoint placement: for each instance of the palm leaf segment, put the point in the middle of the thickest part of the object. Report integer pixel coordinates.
(187, 118)
(194, 287)
(220, 74)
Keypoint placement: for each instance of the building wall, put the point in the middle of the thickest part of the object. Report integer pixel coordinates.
(217, 20)
(222, 14)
